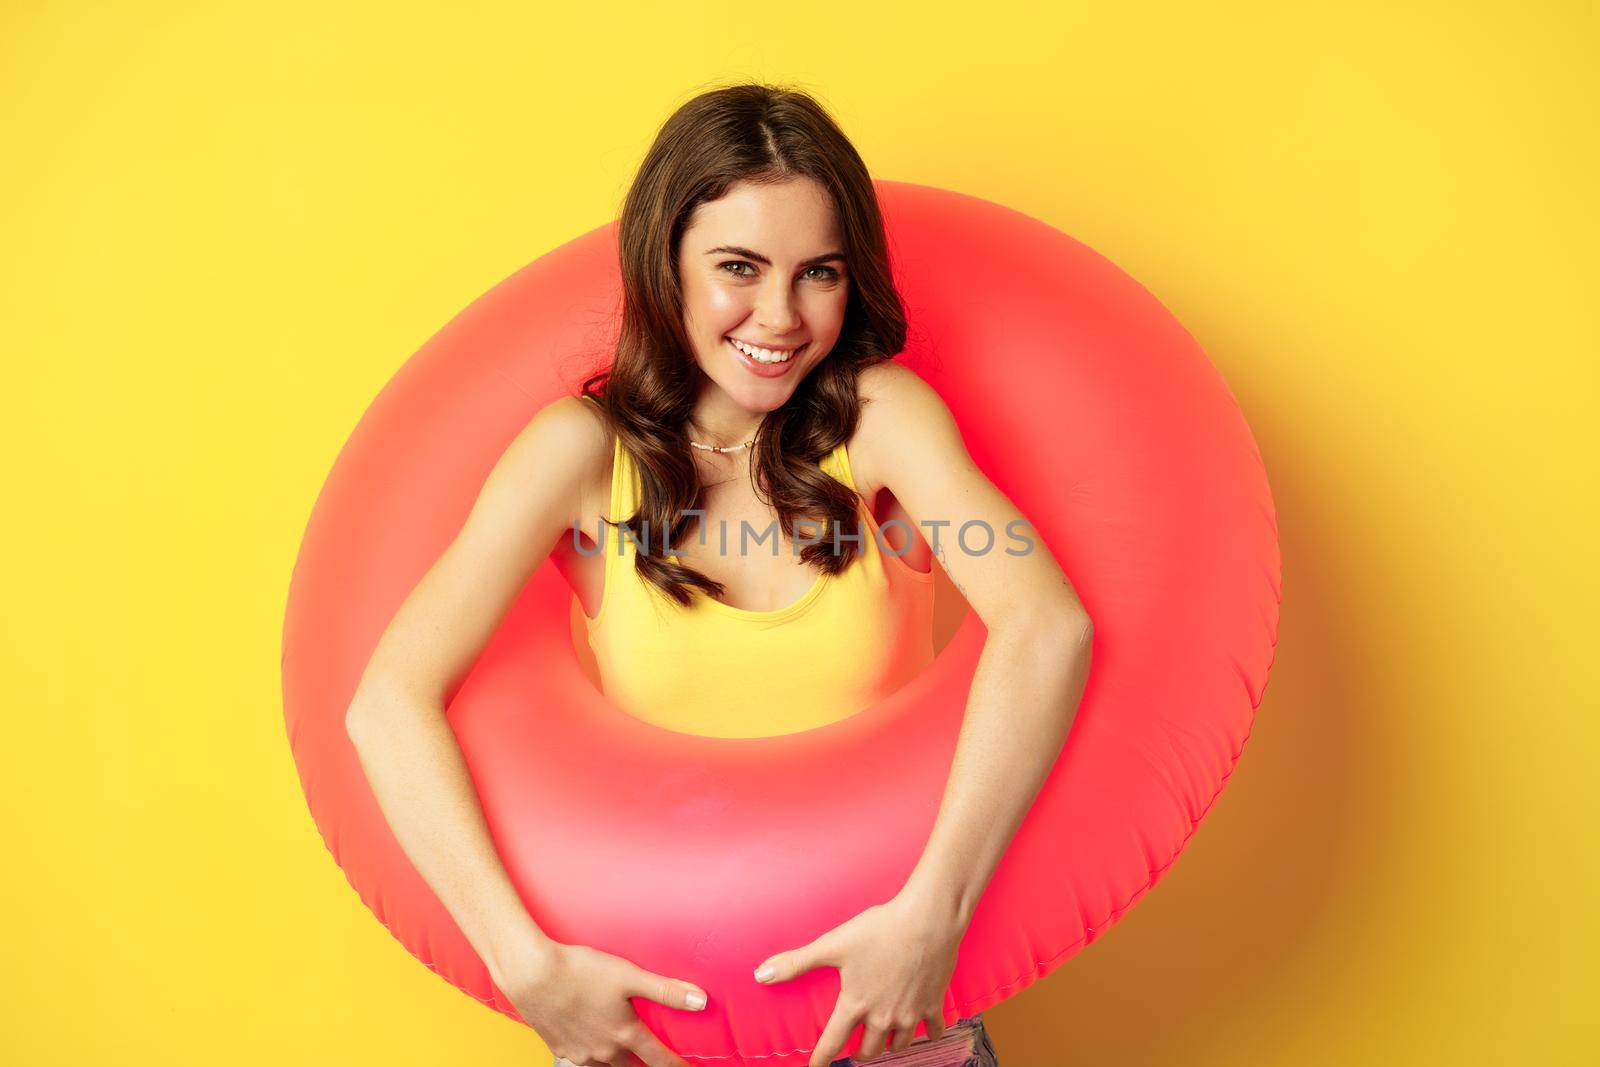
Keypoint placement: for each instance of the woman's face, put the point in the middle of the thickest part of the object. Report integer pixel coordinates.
(763, 265)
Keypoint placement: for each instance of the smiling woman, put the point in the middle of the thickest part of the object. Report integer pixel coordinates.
(777, 646)
(756, 292)
(759, 350)
(823, 880)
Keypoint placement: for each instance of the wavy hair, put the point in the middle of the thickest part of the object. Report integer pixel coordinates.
(751, 133)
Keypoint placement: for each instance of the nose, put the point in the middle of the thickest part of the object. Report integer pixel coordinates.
(776, 310)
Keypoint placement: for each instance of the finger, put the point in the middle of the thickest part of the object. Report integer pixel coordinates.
(834, 1036)
(785, 965)
(650, 1049)
(902, 1038)
(797, 961)
(671, 992)
(872, 1038)
(935, 1026)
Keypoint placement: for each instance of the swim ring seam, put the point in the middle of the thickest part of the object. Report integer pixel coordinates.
(381, 914)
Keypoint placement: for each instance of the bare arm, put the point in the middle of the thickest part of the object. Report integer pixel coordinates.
(397, 720)
(1024, 697)
(896, 959)
(416, 770)
(1035, 661)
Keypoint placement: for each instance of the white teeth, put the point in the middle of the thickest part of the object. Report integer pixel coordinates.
(761, 355)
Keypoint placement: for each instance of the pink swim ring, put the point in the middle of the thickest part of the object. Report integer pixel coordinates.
(1085, 402)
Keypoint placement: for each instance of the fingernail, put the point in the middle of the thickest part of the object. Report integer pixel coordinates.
(766, 972)
(696, 1000)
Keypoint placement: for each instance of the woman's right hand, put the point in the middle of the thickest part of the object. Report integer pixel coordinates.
(577, 999)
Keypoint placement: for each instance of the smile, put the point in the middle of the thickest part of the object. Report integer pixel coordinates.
(764, 355)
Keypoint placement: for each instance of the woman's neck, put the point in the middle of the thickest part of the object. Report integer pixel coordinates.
(720, 423)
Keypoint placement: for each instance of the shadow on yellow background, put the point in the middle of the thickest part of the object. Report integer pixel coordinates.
(224, 228)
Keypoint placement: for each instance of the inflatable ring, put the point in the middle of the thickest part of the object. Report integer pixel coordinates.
(1085, 402)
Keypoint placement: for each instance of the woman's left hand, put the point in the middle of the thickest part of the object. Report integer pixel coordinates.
(895, 961)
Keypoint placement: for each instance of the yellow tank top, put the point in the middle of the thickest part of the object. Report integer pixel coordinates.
(713, 669)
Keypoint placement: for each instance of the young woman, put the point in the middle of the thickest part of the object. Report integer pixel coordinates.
(751, 401)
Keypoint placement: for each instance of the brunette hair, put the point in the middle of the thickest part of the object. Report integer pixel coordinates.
(751, 133)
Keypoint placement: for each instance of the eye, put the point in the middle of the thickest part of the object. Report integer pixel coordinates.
(829, 274)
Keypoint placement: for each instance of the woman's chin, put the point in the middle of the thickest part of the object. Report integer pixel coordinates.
(756, 396)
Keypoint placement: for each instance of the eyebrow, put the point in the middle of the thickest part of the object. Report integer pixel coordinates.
(735, 250)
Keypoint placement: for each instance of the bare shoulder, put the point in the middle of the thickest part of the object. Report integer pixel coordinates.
(564, 450)
(894, 381)
(581, 420)
(529, 500)
(578, 446)
(904, 421)
(570, 433)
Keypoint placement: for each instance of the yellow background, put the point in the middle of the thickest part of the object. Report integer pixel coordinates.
(223, 227)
